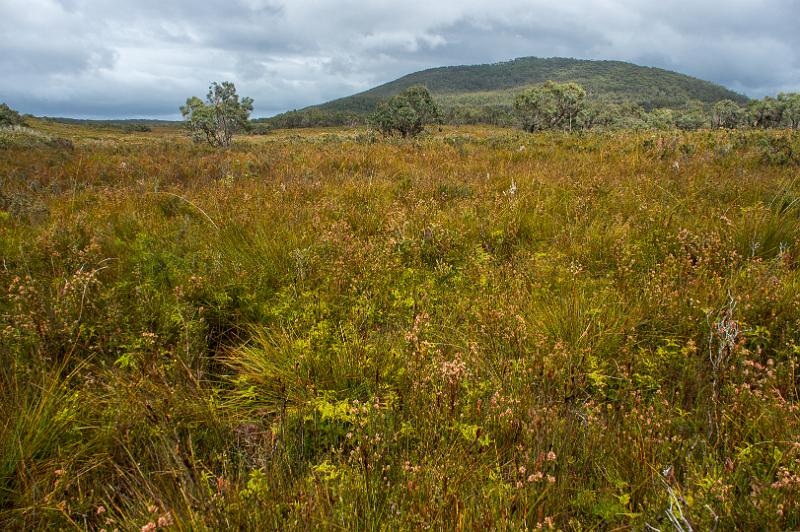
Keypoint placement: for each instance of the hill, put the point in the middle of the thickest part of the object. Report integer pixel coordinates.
(497, 84)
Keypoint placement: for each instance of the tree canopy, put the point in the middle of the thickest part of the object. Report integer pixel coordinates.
(407, 113)
(727, 114)
(550, 106)
(790, 108)
(9, 117)
(217, 119)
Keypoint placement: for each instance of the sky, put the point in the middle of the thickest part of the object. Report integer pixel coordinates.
(143, 58)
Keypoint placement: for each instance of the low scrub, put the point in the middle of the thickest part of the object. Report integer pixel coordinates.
(478, 328)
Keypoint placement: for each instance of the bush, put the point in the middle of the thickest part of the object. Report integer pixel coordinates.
(550, 106)
(20, 136)
(219, 117)
(9, 117)
(727, 114)
(136, 128)
(407, 113)
(259, 128)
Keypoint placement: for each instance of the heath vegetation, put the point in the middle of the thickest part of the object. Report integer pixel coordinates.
(475, 328)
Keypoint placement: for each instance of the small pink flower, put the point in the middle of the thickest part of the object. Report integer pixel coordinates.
(535, 477)
(165, 520)
(101, 510)
(149, 527)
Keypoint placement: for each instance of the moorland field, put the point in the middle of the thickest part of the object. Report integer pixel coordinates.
(476, 329)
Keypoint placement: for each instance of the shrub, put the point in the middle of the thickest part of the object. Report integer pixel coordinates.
(259, 128)
(219, 117)
(136, 128)
(550, 106)
(9, 117)
(407, 113)
(26, 137)
(727, 114)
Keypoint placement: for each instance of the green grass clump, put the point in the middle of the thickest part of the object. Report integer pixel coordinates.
(478, 328)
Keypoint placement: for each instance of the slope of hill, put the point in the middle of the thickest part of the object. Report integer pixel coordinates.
(498, 83)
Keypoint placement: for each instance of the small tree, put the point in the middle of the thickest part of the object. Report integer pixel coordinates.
(693, 116)
(790, 108)
(661, 119)
(535, 109)
(407, 113)
(9, 117)
(726, 114)
(219, 117)
(765, 113)
(570, 101)
(549, 106)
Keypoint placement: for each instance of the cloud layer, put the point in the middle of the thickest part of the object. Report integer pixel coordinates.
(103, 59)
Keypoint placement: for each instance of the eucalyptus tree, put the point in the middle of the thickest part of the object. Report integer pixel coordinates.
(216, 119)
(765, 113)
(550, 106)
(790, 108)
(407, 113)
(9, 117)
(727, 114)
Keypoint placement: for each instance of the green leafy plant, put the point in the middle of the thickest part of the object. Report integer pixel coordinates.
(10, 117)
(217, 119)
(407, 113)
(550, 106)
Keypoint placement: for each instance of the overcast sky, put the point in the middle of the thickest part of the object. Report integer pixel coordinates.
(142, 58)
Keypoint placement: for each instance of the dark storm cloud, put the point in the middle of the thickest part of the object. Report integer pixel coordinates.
(115, 59)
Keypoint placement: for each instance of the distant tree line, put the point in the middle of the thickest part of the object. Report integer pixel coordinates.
(545, 107)
(312, 118)
(567, 106)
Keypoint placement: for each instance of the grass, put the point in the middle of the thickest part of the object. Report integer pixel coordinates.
(479, 328)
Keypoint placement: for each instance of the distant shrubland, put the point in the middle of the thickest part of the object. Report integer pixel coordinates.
(596, 113)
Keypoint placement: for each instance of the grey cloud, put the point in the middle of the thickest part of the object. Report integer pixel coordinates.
(116, 59)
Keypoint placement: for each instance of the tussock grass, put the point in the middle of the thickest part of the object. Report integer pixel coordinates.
(477, 328)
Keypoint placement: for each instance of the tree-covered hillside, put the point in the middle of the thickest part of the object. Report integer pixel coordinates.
(499, 83)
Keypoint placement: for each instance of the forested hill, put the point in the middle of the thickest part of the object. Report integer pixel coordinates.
(498, 83)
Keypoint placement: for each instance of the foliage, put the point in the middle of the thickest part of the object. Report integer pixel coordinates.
(765, 113)
(260, 128)
(21, 136)
(9, 117)
(499, 83)
(536, 110)
(312, 117)
(407, 113)
(136, 128)
(550, 106)
(726, 114)
(480, 329)
(790, 109)
(217, 119)
(691, 117)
